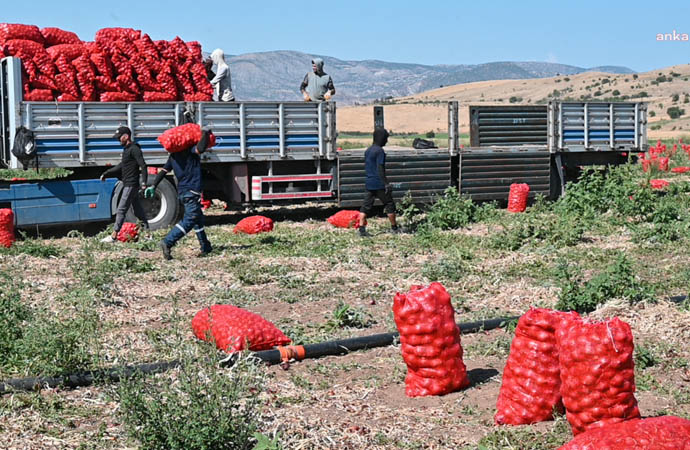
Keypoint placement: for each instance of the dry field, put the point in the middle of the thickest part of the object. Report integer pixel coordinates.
(422, 112)
(101, 305)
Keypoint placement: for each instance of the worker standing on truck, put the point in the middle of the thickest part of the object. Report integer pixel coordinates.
(376, 184)
(187, 167)
(132, 171)
(222, 90)
(317, 84)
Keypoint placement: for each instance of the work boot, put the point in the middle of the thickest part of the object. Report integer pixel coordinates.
(166, 250)
(396, 230)
(363, 232)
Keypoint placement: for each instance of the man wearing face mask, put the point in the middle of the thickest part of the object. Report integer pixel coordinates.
(132, 171)
(376, 184)
(317, 85)
(222, 89)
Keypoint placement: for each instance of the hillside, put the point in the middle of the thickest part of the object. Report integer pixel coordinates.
(277, 75)
(662, 88)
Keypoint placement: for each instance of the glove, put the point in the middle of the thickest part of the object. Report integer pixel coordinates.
(149, 192)
(306, 97)
(327, 96)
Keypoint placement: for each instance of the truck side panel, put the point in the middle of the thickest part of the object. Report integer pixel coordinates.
(54, 202)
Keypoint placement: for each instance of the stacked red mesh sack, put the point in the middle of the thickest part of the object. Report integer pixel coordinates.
(6, 228)
(658, 433)
(346, 218)
(597, 373)
(430, 341)
(231, 328)
(254, 225)
(120, 65)
(517, 198)
(531, 386)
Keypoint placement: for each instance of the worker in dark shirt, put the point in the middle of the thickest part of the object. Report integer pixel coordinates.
(187, 168)
(132, 172)
(376, 184)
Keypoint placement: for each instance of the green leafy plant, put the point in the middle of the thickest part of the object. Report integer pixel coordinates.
(345, 315)
(617, 281)
(198, 406)
(451, 211)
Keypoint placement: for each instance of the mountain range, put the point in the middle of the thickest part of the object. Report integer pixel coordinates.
(277, 75)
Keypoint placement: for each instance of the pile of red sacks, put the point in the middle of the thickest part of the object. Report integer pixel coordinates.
(6, 228)
(121, 64)
(561, 360)
(234, 329)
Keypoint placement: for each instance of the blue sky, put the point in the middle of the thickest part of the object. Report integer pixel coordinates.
(584, 33)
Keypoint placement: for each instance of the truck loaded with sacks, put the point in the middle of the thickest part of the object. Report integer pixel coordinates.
(65, 98)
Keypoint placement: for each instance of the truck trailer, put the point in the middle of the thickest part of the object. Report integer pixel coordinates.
(272, 152)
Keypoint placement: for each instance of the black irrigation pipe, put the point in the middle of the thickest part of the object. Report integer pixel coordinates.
(337, 347)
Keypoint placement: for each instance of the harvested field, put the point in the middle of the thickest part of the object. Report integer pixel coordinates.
(90, 305)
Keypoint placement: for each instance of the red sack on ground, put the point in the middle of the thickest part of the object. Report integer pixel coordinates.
(530, 390)
(128, 233)
(6, 227)
(654, 433)
(205, 204)
(597, 373)
(517, 199)
(253, 225)
(681, 169)
(663, 164)
(430, 341)
(232, 327)
(117, 97)
(23, 48)
(56, 36)
(658, 184)
(20, 31)
(346, 218)
(180, 138)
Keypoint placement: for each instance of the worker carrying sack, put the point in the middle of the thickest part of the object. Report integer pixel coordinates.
(419, 143)
(24, 148)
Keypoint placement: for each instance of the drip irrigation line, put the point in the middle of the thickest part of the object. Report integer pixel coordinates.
(273, 356)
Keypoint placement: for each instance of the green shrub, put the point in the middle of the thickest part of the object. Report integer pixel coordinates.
(33, 247)
(430, 134)
(14, 313)
(451, 211)
(616, 281)
(674, 112)
(198, 406)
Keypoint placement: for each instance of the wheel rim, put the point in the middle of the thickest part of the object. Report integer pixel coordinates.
(154, 208)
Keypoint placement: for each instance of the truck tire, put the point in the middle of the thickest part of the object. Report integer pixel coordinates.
(162, 211)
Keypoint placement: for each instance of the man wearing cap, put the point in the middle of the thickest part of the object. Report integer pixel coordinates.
(376, 184)
(187, 168)
(317, 84)
(132, 172)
